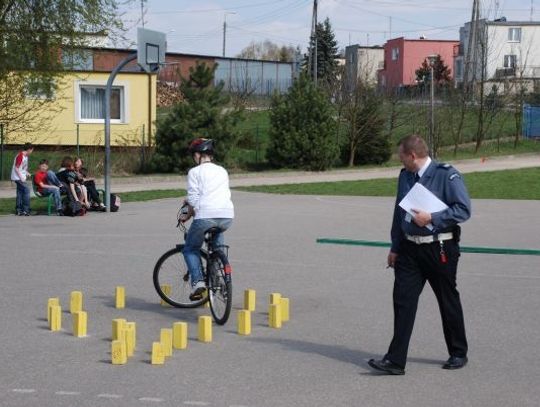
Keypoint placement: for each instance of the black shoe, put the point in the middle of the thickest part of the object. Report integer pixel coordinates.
(455, 362)
(60, 212)
(386, 366)
(198, 291)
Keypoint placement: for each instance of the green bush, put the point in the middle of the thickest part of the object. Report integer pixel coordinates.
(303, 129)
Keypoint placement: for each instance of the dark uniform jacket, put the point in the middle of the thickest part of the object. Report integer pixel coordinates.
(445, 182)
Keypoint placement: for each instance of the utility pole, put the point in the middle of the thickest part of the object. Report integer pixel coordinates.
(470, 56)
(312, 58)
(142, 13)
(390, 27)
(225, 28)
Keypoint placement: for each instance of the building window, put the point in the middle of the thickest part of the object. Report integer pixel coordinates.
(459, 68)
(510, 61)
(77, 60)
(395, 54)
(40, 88)
(91, 104)
(514, 34)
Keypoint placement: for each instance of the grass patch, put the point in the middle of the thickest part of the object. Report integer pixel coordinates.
(39, 205)
(506, 184)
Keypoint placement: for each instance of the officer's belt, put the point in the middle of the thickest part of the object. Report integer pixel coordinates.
(431, 238)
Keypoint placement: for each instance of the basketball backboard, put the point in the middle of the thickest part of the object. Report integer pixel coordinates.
(151, 47)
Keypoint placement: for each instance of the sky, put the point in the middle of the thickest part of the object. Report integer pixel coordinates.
(196, 26)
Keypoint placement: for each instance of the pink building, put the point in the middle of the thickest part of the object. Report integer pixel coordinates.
(403, 57)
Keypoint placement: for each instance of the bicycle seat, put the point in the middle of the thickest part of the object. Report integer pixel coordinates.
(213, 230)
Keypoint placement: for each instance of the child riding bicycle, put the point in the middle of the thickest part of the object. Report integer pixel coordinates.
(209, 202)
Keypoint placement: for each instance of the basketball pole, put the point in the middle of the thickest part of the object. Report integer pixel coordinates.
(108, 91)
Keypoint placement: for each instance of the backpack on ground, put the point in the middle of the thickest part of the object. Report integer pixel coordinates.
(73, 208)
(116, 202)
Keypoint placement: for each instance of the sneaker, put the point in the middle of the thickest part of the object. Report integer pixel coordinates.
(198, 290)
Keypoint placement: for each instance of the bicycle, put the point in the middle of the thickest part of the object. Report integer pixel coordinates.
(172, 282)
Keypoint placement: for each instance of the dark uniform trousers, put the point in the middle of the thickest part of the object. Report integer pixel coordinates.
(415, 264)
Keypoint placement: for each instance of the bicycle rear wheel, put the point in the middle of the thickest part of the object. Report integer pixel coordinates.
(219, 287)
(171, 279)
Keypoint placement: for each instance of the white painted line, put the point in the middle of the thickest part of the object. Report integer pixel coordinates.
(196, 403)
(110, 396)
(151, 399)
(67, 393)
(24, 391)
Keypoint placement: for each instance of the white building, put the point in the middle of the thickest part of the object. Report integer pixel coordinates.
(363, 62)
(505, 50)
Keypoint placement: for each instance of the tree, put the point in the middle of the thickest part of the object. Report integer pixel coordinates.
(32, 35)
(202, 113)
(268, 51)
(367, 144)
(327, 52)
(441, 72)
(302, 128)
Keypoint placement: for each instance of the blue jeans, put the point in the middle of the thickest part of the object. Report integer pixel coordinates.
(195, 240)
(22, 201)
(52, 179)
(55, 192)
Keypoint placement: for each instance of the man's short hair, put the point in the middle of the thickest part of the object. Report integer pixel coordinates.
(44, 161)
(28, 146)
(414, 144)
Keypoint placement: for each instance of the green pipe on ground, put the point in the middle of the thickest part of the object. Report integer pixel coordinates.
(464, 249)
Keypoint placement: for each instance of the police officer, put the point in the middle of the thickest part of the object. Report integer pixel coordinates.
(425, 247)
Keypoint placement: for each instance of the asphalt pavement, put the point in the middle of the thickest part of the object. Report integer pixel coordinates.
(341, 310)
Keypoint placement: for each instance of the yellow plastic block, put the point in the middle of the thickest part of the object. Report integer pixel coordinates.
(118, 326)
(244, 322)
(132, 328)
(166, 288)
(158, 358)
(274, 298)
(129, 338)
(166, 341)
(274, 316)
(205, 328)
(118, 353)
(75, 302)
(80, 322)
(285, 309)
(180, 335)
(56, 318)
(120, 297)
(249, 300)
(50, 303)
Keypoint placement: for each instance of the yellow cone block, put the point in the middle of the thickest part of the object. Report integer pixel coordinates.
(180, 335)
(274, 298)
(249, 300)
(205, 328)
(158, 358)
(120, 297)
(56, 318)
(50, 303)
(118, 326)
(80, 322)
(131, 327)
(274, 316)
(244, 322)
(285, 310)
(129, 338)
(75, 302)
(166, 288)
(118, 352)
(166, 341)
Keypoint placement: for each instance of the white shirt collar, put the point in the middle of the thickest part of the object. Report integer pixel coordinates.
(422, 170)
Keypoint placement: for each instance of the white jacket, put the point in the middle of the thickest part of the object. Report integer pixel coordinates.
(208, 192)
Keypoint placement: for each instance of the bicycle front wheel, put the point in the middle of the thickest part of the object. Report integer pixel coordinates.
(219, 287)
(172, 281)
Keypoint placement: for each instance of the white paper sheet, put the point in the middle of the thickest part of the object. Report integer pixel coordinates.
(419, 197)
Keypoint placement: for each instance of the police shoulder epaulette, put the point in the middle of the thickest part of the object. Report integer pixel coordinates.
(444, 165)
